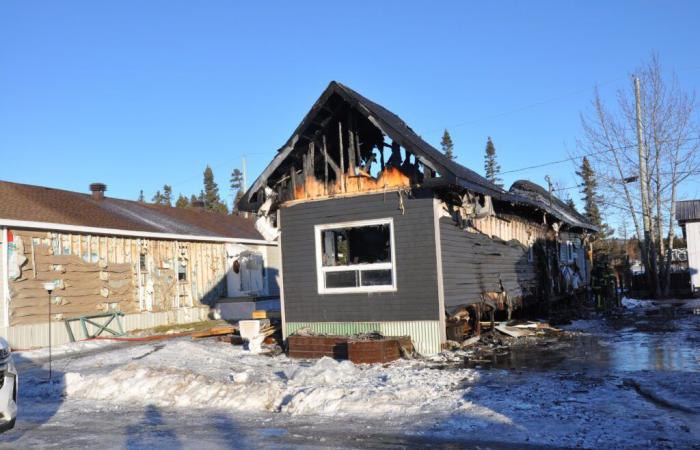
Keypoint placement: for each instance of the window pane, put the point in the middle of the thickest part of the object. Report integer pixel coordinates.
(341, 279)
(376, 278)
(356, 245)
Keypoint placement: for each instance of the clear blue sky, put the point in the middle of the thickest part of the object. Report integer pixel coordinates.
(137, 94)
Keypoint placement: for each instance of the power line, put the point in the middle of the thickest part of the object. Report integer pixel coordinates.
(216, 164)
(544, 102)
(573, 158)
(567, 188)
(532, 105)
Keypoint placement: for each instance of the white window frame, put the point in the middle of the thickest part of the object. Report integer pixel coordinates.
(321, 270)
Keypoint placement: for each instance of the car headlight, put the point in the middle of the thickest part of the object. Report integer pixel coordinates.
(5, 350)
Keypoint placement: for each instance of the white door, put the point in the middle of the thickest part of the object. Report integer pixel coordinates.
(244, 271)
(233, 276)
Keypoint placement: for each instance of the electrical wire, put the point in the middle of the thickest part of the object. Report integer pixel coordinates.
(573, 158)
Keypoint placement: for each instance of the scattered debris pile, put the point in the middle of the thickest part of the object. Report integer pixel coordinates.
(222, 330)
(497, 339)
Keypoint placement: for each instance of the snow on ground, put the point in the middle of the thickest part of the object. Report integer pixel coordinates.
(203, 374)
(80, 347)
(612, 384)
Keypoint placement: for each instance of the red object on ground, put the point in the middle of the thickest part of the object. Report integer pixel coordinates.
(341, 347)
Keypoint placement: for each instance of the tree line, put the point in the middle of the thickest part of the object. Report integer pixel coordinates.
(208, 197)
(633, 156)
(589, 188)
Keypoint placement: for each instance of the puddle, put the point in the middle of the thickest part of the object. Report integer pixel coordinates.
(636, 343)
(272, 432)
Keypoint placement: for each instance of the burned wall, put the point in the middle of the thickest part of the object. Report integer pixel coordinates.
(474, 264)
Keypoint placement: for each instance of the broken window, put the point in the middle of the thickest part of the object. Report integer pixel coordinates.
(355, 257)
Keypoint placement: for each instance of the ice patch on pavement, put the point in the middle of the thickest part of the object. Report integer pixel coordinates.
(633, 303)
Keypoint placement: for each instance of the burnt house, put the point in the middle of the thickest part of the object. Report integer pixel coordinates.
(379, 231)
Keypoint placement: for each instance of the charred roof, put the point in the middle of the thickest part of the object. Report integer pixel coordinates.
(344, 106)
(525, 191)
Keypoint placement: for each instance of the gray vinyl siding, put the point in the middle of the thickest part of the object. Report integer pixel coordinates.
(473, 263)
(416, 297)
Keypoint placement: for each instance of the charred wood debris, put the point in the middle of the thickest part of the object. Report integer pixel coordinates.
(340, 149)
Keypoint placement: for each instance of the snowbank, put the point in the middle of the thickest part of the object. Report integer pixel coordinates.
(633, 303)
(171, 387)
(194, 374)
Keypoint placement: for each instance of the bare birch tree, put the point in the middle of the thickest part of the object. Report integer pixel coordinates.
(671, 142)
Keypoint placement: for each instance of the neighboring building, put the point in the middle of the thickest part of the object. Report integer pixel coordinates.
(379, 231)
(688, 217)
(156, 264)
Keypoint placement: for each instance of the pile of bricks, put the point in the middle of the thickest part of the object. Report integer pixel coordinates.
(377, 351)
(341, 347)
(307, 347)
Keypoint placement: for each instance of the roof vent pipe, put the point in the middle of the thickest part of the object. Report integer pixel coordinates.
(98, 190)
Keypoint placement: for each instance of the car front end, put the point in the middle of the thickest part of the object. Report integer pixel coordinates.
(8, 387)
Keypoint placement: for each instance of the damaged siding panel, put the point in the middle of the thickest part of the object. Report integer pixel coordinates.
(474, 264)
(416, 296)
(85, 285)
(511, 227)
(100, 273)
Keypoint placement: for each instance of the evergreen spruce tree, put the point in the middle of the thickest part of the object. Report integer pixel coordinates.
(570, 203)
(447, 145)
(491, 166)
(236, 184)
(167, 195)
(141, 197)
(212, 201)
(157, 198)
(591, 199)
(182, 202)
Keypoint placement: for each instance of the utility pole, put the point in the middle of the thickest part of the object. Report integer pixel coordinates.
(649, 251)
